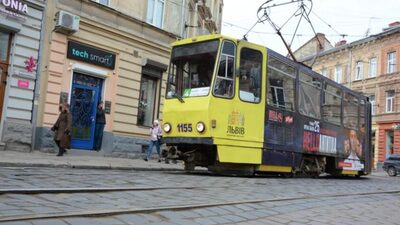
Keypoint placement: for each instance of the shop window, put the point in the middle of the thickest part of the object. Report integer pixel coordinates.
(224, 81)
(389, 142)
(350, 111)
(359, 70)
(250, 75)
(147, 101)
(324, 72)
(390, 101)
(155, 12)
(391, 62)
(331, 108)
(362, 115)
(309, 96)
(103, 2)
(4, 46)
(280, 84)
(372, 67)
(338, 74)
(373, 104)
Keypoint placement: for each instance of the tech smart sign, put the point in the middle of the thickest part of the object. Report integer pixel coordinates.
(91, 55)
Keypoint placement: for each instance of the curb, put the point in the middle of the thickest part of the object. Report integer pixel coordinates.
(7, 164)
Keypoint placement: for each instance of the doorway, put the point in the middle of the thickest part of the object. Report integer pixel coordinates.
(5, 40)
(85, 96)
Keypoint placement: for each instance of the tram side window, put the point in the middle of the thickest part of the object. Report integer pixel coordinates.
(250, 75)
(224, 81)
(280, 84)
(309, 96)
(331, 109)
(350, 111)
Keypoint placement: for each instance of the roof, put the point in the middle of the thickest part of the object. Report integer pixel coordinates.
(355, 43)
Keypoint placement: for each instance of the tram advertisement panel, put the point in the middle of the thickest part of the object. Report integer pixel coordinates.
(353, 152)
(319, 139)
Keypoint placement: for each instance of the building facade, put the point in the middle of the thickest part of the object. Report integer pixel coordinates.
(370, 66)
(116, 52)
(21, 35)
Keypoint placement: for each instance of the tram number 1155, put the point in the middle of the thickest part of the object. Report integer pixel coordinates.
(185, 127)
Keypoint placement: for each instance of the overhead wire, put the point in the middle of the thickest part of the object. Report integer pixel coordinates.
(287, 34)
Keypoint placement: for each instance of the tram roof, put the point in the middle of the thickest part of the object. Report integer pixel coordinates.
(287, 60)
(211, 37)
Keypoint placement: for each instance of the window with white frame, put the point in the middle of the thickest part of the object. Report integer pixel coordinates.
(103, 2)
(155, 12)
(372, 67)
(390, 101)
(373, 103)
(324, 72)
(359, 70)
(338, 73)
(391, 62)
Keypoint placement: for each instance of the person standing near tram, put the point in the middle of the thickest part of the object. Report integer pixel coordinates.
(100, 124)
(155, 136)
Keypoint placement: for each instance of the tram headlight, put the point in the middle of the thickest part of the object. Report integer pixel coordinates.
(167, 127)
(200, 127)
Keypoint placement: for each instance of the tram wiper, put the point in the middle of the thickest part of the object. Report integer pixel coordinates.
(178, 97)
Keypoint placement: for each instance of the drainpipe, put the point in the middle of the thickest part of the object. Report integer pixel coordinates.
(349, 64)
(183, 28)
(36, 95)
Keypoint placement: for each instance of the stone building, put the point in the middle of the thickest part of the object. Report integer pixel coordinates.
(369, 66)
(115, 51)
(21, 48)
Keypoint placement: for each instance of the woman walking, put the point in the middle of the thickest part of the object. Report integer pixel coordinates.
(62, 129)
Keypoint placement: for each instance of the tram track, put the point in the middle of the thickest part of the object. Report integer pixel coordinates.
(96, 189)
(113, 212)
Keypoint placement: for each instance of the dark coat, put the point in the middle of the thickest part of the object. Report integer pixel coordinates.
(62, 129)
(100, 116)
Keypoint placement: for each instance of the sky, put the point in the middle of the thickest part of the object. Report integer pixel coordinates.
(334, 18)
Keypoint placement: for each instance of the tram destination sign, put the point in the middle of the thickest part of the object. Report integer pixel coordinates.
(91, 55)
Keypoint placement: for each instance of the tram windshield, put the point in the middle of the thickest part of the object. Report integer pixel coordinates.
(191, 69)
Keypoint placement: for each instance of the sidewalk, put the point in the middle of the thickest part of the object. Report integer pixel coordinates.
(75, 159)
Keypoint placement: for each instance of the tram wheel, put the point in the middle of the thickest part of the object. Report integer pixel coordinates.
(189, 166)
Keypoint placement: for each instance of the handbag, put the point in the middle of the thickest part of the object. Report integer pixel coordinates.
(159, 138)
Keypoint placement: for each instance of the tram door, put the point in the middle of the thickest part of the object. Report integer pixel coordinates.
(84, 99)
(251, 89)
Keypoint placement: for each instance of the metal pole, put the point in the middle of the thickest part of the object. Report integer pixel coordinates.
(36, 95)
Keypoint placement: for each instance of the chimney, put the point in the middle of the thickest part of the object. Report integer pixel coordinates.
(392, 25)
(340, 43)
(321, 38)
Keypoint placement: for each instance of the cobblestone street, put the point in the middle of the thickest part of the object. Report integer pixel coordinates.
(154, 197)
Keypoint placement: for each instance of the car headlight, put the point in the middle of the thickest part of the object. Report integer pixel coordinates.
(167, 127)
(200, 127)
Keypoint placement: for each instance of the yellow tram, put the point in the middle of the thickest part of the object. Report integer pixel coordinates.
(237, 107)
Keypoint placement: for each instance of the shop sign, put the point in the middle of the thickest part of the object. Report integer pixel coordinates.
(23, 84)
(107, 107)
(14, 8)
(90, 55)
